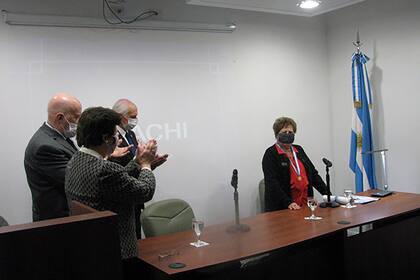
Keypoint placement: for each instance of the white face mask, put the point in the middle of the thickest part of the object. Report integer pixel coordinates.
(132, 122)
(71, 130)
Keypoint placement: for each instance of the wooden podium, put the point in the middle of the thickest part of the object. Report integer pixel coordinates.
(84, 246)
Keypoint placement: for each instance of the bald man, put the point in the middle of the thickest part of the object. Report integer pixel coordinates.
(47, 155)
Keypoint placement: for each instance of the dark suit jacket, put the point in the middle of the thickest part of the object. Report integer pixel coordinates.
(276, 168)
(105, 185)
(128, 157)
(46, 158)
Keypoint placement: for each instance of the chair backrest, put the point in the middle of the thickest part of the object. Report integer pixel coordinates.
(3, 222)
(166, 216)
(261, 190)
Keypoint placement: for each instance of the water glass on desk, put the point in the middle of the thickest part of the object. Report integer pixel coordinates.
(312, 204)
(349, 197)
(198, 227)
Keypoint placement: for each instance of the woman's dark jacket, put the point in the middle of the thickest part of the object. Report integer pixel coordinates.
(276, 168)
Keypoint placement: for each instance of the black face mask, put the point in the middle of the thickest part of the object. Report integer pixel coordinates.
(286, 138)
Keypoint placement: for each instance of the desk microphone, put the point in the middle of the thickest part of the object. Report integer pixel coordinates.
(328, 203)
(237, 227)
(234, 181)
(327, 162)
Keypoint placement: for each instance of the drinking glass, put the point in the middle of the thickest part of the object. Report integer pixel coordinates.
(349, 196)
(198, 227)
(312, 204)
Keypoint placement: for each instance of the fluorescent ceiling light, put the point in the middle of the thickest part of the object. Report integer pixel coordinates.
(232, 26)
(84, 22)
(309, 4)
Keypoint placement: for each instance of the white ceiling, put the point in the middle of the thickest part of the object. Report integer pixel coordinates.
(288, 7)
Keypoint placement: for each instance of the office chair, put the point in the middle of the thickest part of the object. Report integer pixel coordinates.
(166, 216)
(261, 190)
(3, 222)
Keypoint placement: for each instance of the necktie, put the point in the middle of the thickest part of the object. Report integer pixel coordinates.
(128, 137)
(131, 142)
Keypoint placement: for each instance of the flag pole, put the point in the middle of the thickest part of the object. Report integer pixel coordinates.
(362, 160)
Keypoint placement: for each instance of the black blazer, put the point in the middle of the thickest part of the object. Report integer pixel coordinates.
(276, 168)
(126, 159)
(46, 158)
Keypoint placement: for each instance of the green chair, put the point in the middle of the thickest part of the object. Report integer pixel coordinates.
(3, 222)
(261, 190)
(166, 216)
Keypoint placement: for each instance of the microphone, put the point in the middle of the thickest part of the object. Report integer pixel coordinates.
(328, 203)
(234, 181)
(327, 162)
(237, 227)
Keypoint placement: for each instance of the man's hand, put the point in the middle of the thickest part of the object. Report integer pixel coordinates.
(159, 160)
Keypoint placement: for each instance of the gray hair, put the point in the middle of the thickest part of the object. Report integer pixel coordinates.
(283, 122)
(121, 106)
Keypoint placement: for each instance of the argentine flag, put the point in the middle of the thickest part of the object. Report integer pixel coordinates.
(361, 163)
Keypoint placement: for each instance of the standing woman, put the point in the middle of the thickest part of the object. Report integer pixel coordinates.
(105, 185)
(289, 174)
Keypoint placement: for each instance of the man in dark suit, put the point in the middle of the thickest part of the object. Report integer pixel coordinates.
(47, 155)
(129, 112)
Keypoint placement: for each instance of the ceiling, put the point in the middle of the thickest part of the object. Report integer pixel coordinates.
(169, 9)
(288, 7)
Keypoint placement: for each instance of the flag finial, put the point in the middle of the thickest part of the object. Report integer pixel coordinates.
(357, 44)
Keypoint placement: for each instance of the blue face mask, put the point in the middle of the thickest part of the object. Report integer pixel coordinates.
(286, 138)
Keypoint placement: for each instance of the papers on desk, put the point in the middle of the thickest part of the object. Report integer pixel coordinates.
(359, 199)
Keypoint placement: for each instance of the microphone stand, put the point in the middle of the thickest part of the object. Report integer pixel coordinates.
(237, 227)
(328, 203)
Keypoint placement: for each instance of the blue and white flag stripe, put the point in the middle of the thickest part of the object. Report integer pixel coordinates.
(361, 163)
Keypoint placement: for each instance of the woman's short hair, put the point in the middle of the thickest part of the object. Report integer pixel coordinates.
(283, 122)
(94, 123)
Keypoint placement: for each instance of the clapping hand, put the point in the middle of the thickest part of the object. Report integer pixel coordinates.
(146, 153)
(120, 151)
(159, 160)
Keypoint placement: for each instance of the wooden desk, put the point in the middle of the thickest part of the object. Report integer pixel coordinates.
(279, 230)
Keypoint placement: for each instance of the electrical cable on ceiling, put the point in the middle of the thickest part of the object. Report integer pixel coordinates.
(141, 16)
